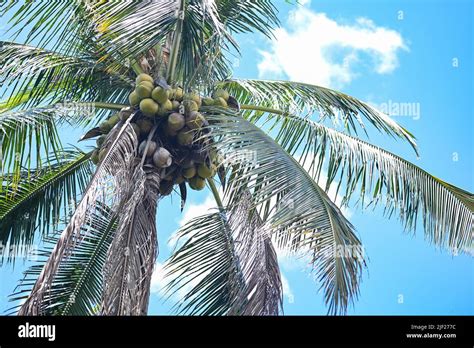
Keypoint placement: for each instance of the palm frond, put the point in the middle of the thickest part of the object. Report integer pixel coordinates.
(131, 28)
(295, 97)
(259, 262)
(26, 133)
(447, 211)
(207, 264)
(228, 263)
(302, 216)
(204, 42)
(78, 285)
(34, 76)
(35, 204)
(107, 186)
(249, 15)
(132, 254)
(55, 23)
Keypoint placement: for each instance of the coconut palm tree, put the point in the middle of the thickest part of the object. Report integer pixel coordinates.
(272, 143)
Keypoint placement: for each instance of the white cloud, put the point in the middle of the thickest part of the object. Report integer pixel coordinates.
(321, 51)
(287, 292)
(156, 286)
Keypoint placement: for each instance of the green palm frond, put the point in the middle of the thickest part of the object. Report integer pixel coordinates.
(208, 264)
(302, 216)
(227, 265)
(36, 203)
(28, 133)
(447, 211)
(204, 41)
(249, 15)
(108, 185)
(77, 287)
(56, 23)
(295, 97)
(131, 28)
(33, 76)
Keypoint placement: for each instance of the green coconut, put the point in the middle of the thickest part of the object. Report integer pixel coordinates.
(160, 95)
(197, 183)
(221, 93)
(167, 106)
(134, 98)
(195, 120)
(188, 173)
(176, 104)
(176, 122)
(185, 137)
(205, 172)
(143, 77)
(151, 148)
(149, 107)
(194, 97)
(190, 106)
(114, 120)
(207, 101)
(162, 158)
(220, 102)
(178, 94)
(95, 156)
(144, 90)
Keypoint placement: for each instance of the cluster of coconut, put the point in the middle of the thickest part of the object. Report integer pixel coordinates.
(181, 144)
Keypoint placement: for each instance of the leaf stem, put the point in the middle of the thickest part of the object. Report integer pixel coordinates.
(136, 67)
(264, 109)
(175, 46)
(109, 106)
(216, 195)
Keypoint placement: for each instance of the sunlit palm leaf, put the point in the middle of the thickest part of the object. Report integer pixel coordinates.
(27, 133)
(249, 15)
(34, 76)
(447, 211)
(134, 27)
(39, 200)
(303, 217)
(57, 23)
(204, 41)
(206, 264)
(108, 185)
(228, 264)
(295, 97)
(78, 284)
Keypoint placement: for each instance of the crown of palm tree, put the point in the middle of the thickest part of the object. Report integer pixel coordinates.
(77, 66)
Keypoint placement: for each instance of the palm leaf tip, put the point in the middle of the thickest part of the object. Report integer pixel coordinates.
(380, 176)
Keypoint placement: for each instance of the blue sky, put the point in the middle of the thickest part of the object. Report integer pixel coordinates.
(416, 52)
